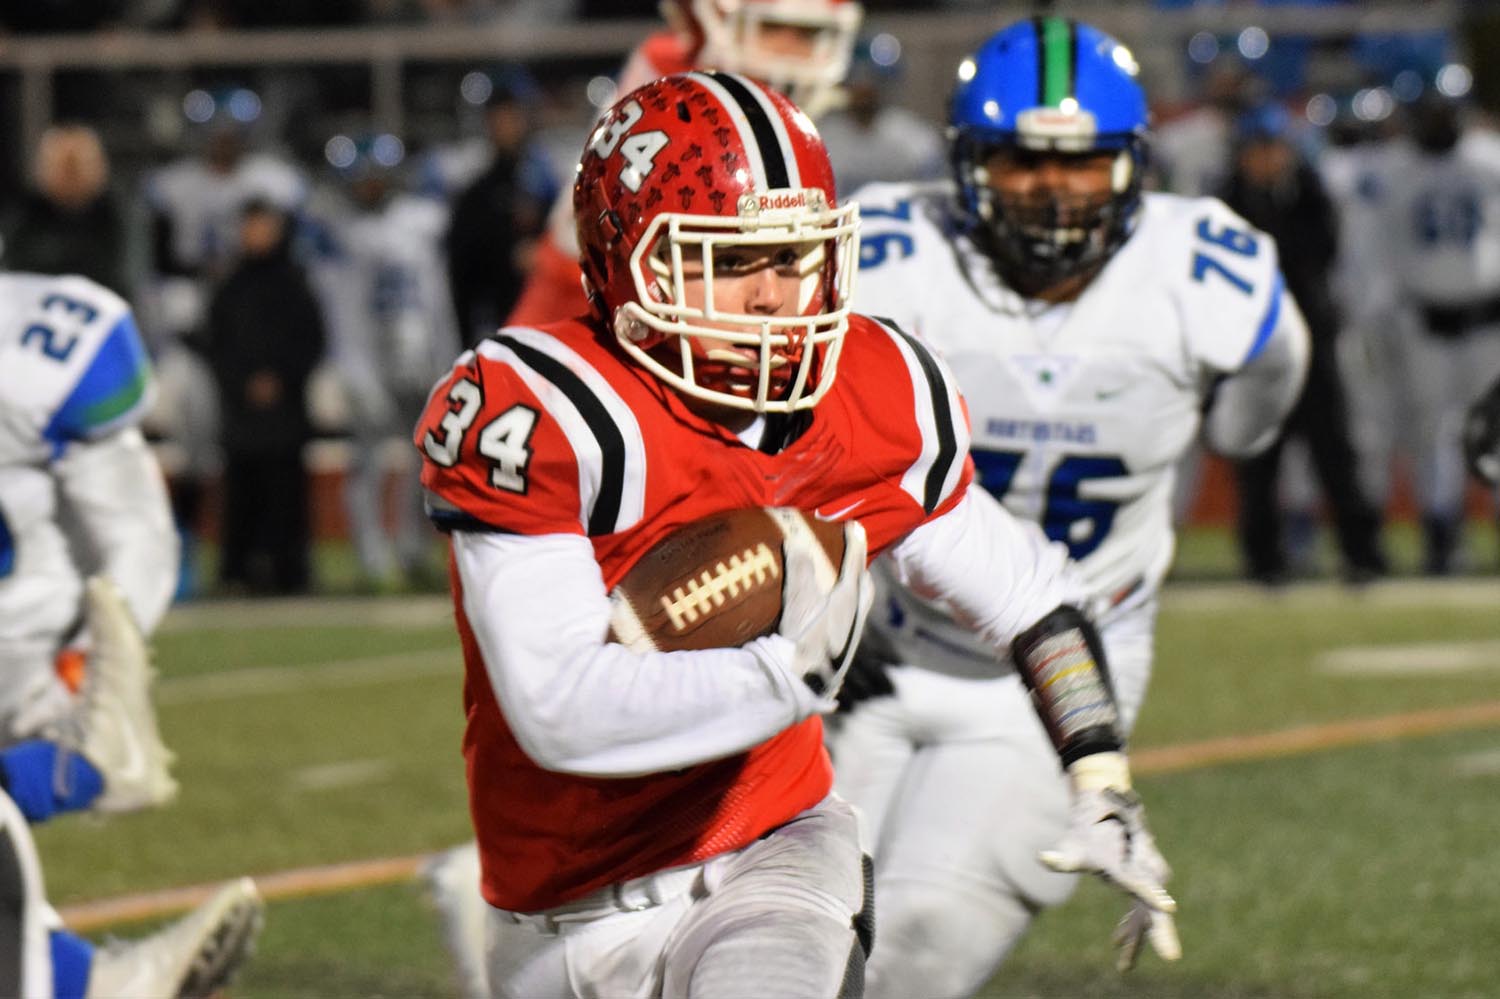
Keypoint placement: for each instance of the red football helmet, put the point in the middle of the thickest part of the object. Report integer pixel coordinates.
(732, 36)
(692, 164)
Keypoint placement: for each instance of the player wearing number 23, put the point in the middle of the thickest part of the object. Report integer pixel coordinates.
(662, 823)
(1090, 325)
(79, 489)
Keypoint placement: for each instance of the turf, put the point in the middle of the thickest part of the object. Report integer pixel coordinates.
(326, 731)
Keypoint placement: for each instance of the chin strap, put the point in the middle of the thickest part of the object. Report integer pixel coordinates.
(1061, 661)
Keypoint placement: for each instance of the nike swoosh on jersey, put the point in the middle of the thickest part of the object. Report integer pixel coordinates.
(841, 513)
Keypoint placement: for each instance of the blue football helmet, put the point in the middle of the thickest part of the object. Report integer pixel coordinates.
(1048, 85)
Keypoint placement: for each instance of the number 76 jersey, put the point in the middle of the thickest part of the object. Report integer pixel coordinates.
(1081, 410)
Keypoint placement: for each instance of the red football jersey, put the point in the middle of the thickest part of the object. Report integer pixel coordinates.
(554, 289)
(577, 439)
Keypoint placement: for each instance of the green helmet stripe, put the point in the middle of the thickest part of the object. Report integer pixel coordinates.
(1056, 60)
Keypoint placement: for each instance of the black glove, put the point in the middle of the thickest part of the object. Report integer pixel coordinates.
(1482, 437)
(867, 679)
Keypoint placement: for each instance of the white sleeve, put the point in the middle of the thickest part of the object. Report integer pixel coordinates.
(995, 574)
(114, 492)
(579, 705)
(1249, 407)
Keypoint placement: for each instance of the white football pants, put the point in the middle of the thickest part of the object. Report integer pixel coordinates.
(776, 918)
(958, 788)
(1442, 377)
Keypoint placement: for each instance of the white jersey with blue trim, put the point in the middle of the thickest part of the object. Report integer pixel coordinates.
(1080, 411)
(73, 370)
(383, 280)
(72, 365)
(1441, 225)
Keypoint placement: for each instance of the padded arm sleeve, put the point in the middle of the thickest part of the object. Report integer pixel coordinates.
(1249, 406)
(114, 490)
(576, 704)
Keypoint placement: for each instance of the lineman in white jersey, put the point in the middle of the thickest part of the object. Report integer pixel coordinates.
(81, 495)
(1089, 326)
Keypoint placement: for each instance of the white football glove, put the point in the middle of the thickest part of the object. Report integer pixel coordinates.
(823, 613)
(1107, 836)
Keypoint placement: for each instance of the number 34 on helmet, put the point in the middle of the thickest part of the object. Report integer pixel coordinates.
(681, 171)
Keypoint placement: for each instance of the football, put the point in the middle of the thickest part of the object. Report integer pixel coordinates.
(716, 583)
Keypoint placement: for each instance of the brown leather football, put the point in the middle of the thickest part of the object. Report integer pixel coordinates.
(714, 583)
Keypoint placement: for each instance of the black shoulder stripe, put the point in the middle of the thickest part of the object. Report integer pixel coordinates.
(771, 154)
(937, 387)
(606, 512)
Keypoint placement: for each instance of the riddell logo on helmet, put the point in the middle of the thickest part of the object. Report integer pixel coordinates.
(781, 200)
(771, 202)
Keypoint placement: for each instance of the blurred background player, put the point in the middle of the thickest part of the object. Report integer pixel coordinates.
(871, 139)
(714, 360)
(1275, 189)
(380, 272)
(800, 47)
(80, 497)
(1441, 233)
(1091, 325)
(1354, 168)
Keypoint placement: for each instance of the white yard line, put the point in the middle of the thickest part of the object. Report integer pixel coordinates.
(1411, 659)
(334, 674)
(1218, 597)
(401, 613)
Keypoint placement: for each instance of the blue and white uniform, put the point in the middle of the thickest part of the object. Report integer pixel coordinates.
(382, 278)
(79, 490)
(1441, 233)
(1080, 412)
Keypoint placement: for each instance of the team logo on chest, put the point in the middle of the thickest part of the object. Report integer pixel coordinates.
(1044, 378)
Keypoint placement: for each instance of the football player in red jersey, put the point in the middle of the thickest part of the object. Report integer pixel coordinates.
(662, 823)
(800, 47)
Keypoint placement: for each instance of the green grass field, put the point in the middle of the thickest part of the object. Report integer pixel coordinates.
(319, 732)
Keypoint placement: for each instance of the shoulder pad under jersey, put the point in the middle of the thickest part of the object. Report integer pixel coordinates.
(1223, 273)
(524, 435)
(71, 359)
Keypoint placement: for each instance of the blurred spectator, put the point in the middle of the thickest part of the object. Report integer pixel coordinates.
(499, 217)
(868, 139)
(1277, 191)
(264, 336)
(195, 203)
(69, 223)
(1442, 231)
(383, 281)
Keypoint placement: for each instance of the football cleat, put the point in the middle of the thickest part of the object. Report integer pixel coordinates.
(189, 959)
(452, 879)
(116, 721)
